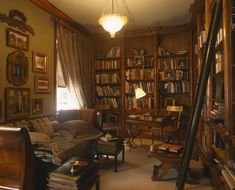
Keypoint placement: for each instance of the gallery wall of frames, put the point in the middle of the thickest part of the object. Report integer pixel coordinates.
(26, 61)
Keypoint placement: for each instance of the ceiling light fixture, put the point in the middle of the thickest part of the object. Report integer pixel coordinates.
(112, 22)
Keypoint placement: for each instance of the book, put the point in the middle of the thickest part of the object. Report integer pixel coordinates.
(229, 180)
(171, 147)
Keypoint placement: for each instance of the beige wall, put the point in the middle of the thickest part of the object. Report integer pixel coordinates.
(42, 41)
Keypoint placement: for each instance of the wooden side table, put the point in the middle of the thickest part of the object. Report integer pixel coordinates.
(111, 148)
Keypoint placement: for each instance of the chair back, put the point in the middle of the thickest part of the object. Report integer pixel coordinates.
(176, 112)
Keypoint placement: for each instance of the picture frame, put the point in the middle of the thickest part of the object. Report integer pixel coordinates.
(17, 103)
(17, 39)
(42, 84)
(182, 63)
(17, 68)
(37, 106)
(39, 62)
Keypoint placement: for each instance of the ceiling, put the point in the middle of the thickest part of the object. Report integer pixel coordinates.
(141, 13)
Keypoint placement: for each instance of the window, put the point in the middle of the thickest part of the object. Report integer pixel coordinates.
(65, 100)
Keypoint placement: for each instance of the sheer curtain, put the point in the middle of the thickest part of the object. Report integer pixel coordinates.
(74, 50)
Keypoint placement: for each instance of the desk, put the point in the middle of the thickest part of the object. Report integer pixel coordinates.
(135, 125)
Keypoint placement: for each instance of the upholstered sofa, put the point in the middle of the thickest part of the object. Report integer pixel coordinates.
(71, 133)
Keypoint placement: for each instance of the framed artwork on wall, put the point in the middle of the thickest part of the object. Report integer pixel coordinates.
(17, 39)
(42, 84)
(17, 68)
(39, 62)
(37, 106)
(17, 103)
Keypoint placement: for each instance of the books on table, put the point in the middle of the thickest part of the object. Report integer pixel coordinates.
(170, 147)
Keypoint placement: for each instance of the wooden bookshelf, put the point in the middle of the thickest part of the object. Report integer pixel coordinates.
(219, 109)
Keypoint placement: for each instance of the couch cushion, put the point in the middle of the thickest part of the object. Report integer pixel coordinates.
(55, 125)
(42, 125)
(39, 138)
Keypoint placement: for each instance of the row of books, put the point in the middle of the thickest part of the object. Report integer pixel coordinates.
(148, 87)
(173, 63)
(217, 112)
(219, 37)
(139, 74)
(227, 173)
(218, 141)
(107, 91)
(201, 39)
(139, 60)
(114, 52)
(108, 64)
(218, 62)
(174, 75)
(113, 102)
(143, 103)
(177, 87)
(112, 78)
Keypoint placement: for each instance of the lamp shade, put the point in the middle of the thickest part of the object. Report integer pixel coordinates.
(139, 93)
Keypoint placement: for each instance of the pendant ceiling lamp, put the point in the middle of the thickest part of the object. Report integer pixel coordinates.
(112, 21)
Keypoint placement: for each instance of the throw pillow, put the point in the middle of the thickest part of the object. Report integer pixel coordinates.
(42, 127)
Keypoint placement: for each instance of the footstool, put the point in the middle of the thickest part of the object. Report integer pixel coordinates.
(111, 148)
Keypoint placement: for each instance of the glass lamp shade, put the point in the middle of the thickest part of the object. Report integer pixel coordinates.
(139, 93)
(112, 23)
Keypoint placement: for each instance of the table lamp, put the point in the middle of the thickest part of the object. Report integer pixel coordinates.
(139, 93)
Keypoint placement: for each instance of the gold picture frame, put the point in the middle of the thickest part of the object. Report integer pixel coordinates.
(17, 39)
(37, 106)
(39, 62)
(42, 84)
(17, 103)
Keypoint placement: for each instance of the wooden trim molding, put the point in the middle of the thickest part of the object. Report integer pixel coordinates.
(51, 9)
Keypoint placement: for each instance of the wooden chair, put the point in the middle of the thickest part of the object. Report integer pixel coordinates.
(16, 163)
(109, 120)
(170, 129)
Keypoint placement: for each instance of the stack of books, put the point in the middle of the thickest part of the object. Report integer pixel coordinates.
(74, 174)
(217, 113)
(170, 147)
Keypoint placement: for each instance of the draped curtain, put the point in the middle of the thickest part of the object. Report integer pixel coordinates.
(74, 51)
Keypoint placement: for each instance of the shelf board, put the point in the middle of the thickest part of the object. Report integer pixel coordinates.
(218, 100)
(108, 96)
(219, 153)
(173, 55)
(140, 80)
(131, 56)
(107, 70)
(140, 67)
(107, 58)
(171, 80)
(108, 84)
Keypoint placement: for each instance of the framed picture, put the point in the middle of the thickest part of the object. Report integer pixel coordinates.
(39, 62)
(17, 103)
(41, 84)
(17, 68)
(37, 106)
(17, 39)
(169, 75)
(182, 63)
